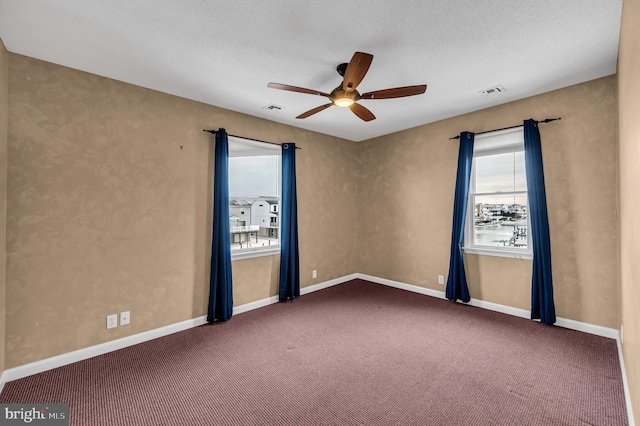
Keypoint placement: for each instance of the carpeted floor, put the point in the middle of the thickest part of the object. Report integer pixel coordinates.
(355, 354)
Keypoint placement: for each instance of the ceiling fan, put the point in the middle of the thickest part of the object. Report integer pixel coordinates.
(346, 94)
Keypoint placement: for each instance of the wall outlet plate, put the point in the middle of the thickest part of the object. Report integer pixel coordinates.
(125, 318)
(441, 279)
(112, 321)
(314, 274)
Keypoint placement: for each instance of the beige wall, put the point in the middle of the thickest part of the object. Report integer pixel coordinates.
(629, 160)
(106, 213)
(407, 183)
(4, 85)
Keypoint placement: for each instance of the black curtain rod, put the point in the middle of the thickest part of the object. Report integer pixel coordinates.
(213, 132)
(546, 120)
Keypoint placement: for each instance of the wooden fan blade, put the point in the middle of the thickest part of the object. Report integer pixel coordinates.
(356, 70)
(362, 112)
(297, 89)
(315, 110)
(398, 92)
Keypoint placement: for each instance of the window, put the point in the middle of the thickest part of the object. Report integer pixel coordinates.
(497, 215)
(254, 198)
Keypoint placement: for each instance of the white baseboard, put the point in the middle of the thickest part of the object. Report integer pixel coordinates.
(598, 330)
(403, 286)
(81, 354)
(254, 305)
(304, 290)
(326, 284)
(103, 348)
(625, 384)
(522, 313)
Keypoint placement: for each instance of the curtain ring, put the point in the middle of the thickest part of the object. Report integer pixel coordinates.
(286, 146)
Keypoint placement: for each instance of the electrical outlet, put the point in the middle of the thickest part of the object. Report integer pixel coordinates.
(441, 279)
(621, 333)
(314, 274)
(112, 321)
(125, 318)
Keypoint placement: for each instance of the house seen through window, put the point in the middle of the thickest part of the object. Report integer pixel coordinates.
(254, 195)
(497, 214)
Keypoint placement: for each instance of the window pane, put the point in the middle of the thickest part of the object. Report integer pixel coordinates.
(255, 176)
(500, 220)
(500, 173)
(254, 223)
(254, 204)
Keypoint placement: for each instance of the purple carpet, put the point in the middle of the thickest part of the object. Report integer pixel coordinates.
(355, 354)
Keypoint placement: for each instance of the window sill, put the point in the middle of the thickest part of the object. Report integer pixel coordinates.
(499, 253)
(249, 254)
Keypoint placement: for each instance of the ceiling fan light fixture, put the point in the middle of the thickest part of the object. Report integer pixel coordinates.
(346, 95)
(343, 102)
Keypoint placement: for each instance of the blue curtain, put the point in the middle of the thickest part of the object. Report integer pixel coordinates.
(220, 293)
(542, 306)
(457, 279)
(289, 284)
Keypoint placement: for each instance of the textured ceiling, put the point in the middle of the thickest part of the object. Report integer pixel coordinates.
(224, 53)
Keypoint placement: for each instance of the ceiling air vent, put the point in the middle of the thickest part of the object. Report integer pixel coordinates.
(492, 90)
(272, 107)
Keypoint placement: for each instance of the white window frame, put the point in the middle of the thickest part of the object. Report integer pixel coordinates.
(250, 147)
(469, 246)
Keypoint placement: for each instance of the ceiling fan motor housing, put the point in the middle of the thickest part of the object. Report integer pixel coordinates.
(342, 68)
